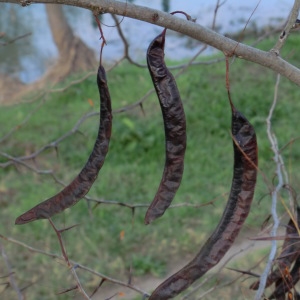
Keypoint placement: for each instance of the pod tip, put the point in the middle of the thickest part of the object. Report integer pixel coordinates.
(27, 217)
(149, 218)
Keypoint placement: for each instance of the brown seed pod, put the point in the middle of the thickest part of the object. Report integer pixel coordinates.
(290, 252)
(175, 128)
(234, 215)
(80, 186)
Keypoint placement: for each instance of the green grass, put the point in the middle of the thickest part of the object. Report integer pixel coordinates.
(133, 169)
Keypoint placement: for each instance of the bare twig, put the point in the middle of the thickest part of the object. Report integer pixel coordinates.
(125, 42)
(136, 205)
(66, 258)
(73, 263)
(53, 144)
(79, 286)
(62, 247)
(278, 161)
(221, 267)
(15, 160)
(289, 25)
(11, 274)
(15, 39)
(43, 95)
(217, 7)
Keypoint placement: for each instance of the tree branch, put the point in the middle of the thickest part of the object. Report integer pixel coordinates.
(11, 276)
(74, 263)
(289, 25)
(230, 47)
(278, 161)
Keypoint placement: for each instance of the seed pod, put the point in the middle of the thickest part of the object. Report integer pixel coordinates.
(234, 215)
(175, 128)
(290, 252)
(80, 186)
(286, 284)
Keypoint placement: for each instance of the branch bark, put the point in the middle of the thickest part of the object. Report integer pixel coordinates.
(267, 59)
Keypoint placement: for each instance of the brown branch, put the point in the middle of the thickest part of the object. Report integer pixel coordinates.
(126, 45)
(217, 7)
(15, 39)
(12, 281)
(16, 161)
(61, 244)
(266, 59)
(43, 94)
(141, 205)
(79, 286)
(54, 144)
(289, 25)
(222, 266)
(74, 263)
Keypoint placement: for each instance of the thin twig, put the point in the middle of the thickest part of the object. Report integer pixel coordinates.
(278, 162)
(15, 160)
(221, 267)
(66, 258)
(125, 42)
(73, 263)
(217, 7)
(289, 25)
(53, 144)
(15, 39)
(79, 286)
(62, 247)
(11, 274)
(141, 205)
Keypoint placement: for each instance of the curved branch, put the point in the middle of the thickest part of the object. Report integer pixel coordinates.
(230, 47)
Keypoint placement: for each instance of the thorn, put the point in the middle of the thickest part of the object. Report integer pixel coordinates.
(68, 228)
(67, 290)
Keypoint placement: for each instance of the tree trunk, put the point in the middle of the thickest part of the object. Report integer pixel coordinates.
(74, 55)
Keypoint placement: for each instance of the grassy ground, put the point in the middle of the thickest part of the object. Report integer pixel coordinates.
(112, 239)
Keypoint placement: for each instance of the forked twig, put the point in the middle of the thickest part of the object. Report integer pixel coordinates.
(12, 281)
(74, 263)
(289, 25)
(66, 258)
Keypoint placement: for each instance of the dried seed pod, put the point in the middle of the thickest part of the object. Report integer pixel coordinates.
(80, 186)
(290, 252)
(175, 128)
(286, 284)
(234, 215)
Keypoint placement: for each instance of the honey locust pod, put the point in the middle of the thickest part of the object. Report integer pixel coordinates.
(174, 125)
(80, 186)
(234, 215)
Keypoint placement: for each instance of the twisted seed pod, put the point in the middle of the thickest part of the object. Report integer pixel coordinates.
(175, 128)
